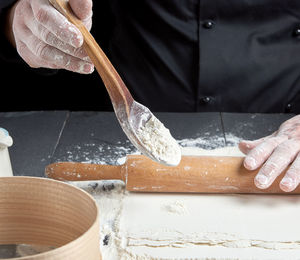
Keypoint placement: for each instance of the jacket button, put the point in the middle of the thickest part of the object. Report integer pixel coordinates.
(288, 107)
(296, 32)
(208, 24)
(205, 100)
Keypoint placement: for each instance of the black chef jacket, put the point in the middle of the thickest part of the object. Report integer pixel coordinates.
(206, 55)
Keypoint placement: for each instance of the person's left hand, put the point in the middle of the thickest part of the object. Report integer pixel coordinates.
(275, 153)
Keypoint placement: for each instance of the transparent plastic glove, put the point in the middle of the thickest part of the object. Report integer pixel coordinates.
(275, 153)
(44, 37)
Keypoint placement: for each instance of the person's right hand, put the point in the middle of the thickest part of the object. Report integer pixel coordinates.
(45, 38)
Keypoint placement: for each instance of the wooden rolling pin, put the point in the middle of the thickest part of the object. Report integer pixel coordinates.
(198, 174)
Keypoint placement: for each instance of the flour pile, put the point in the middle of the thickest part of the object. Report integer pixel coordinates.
(158, 140)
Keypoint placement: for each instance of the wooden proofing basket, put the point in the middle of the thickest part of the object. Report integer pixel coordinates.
(41, 211)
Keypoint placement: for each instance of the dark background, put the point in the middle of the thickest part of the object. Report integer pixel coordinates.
(25, 89)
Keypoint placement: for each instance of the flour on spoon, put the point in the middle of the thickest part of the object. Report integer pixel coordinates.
(158, 140)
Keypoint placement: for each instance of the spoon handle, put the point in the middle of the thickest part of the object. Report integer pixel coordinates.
(117, 90)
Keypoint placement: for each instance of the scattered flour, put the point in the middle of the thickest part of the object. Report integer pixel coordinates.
(194, 226)
(207, 226)
(110, 195)
(176, 207)
(99, 154)
(147, 226)
(115, 154)
(208, 142)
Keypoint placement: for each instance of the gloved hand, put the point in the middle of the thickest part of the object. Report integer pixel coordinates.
(275, 153)
(44, 38)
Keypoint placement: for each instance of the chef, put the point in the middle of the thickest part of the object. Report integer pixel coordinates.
(192, 55)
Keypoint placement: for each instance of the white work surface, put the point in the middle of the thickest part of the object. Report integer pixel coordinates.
(195, 226)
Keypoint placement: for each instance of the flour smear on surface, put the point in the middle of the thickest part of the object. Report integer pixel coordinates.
(195, 226)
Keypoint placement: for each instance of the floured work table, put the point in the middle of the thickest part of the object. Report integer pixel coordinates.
(44, 137)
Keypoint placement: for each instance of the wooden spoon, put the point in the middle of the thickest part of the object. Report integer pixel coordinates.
(130, 114)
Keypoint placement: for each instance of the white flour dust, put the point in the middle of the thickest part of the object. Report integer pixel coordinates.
(210, 142)
(190, 226)
(115, 154)
(106, 153)
(159, 142)
(110, 196)
(177, 207)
